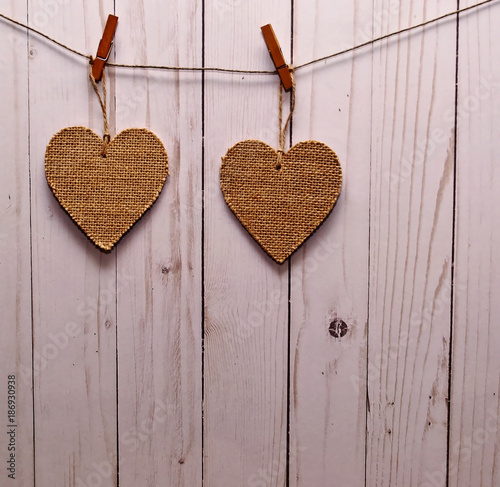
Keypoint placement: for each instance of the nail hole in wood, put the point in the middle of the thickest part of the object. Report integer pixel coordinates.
(338, 328)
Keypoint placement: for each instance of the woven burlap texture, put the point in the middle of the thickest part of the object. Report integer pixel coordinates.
(280, 198)
(105, 194)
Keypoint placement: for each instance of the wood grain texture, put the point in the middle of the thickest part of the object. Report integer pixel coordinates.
(330, 273)
(74, 286)
(474, 435)
(15, 266)
(410, 245)
(159, 310)
(246, 292)
(178, 359)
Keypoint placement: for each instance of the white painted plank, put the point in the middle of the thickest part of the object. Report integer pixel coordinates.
(330, 273)
(16, 405)
(159, 311)
(157, 283)
(246, 292)
(411, 244)
(73, 282)
(474, 435)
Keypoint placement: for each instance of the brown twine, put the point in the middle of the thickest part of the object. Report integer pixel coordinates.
(106, 137)
(282, 130)
(255, 71)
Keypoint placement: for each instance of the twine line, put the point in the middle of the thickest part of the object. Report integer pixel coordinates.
(253, 71)
(282, 130)
(102, 100)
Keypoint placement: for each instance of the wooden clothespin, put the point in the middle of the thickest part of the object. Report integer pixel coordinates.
(104, 48)
(277, 56)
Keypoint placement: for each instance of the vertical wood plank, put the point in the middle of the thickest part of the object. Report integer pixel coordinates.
(330, 273)
(389, 113)
(159, 311)
(474, 436)
(16, 404)
(411, 244)
(245, 379)
(73, 282)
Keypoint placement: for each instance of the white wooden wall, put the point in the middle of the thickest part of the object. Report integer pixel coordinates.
(186, 357)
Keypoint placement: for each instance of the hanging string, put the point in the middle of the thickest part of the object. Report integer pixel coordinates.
(282, 130)
(102, 101)
(255, 71)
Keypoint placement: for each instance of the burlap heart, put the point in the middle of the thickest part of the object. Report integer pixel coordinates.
(280, 203)
(105, 195)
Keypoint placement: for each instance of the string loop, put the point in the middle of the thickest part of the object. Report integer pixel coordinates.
(102, 100)
(282, 130)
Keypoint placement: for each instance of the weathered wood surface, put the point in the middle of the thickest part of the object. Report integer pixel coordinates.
(246, 294)
(329, 284)
(15, 260)
(186, 356)
(474, 435)
(411, 244)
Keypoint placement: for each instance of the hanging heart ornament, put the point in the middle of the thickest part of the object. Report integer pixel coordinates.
(105, 194)
(280, 203)
(105, 184)
(281, 198)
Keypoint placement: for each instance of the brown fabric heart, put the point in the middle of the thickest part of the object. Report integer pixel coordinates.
(280, 198)
(105, 194)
